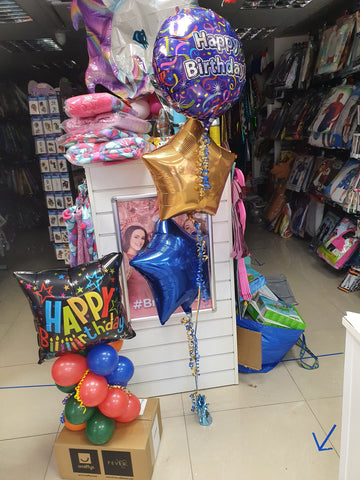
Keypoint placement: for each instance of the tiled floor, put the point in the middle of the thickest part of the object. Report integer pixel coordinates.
(262, 428)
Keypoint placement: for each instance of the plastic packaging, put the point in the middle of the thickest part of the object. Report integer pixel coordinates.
(93, 104)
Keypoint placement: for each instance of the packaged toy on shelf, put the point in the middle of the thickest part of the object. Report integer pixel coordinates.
(341, 245)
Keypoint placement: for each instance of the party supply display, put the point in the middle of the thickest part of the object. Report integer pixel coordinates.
(199, 64)
(93, 104)
(94, 402)
(76, 307)
(175, 171)
(169, 264)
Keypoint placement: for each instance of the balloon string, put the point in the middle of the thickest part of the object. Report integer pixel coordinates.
(77, 390)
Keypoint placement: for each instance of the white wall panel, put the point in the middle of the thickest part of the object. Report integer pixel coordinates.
(160, 352)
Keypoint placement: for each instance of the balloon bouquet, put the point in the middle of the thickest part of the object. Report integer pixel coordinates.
(79, 318)
(199, 70)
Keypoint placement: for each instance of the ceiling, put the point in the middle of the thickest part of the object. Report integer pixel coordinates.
(51, 19)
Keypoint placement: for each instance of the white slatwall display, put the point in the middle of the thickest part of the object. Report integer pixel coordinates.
(160, 352)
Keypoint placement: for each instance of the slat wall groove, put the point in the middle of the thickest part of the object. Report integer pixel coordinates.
(160, 353)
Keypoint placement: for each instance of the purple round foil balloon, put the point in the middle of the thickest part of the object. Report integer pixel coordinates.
(199, 64)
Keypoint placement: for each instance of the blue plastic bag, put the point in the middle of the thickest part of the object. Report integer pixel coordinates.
(275, 343)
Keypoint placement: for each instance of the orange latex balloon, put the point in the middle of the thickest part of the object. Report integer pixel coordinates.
(117, 345)
(74, 428)
(176, 171)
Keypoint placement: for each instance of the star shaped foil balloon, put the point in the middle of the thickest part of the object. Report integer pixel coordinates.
(177, 169)
(169, 264)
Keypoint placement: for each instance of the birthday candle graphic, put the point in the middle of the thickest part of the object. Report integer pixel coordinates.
(73, 344)
(51, 348)
(78, 342)
(56, 348)
(62, 346)
(68, 346)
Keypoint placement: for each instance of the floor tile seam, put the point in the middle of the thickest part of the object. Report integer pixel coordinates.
(187, 433)
(293, 379)
(24, 437)
(49, 461)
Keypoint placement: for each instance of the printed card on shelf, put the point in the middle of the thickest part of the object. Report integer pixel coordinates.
(59, 201)
(40, 146)
(68, 201)
(53, 164)
(56, 182)
(33, 106)
(56, 124)
(53, 218)
(51, 144)
(61, 221)
(50, 200)
(37, 126)
(47, 182)
(65, 182)
(43, 105)
(47, 125)
(53, 104)
(57, 234)
(44, 165)
(62, 165)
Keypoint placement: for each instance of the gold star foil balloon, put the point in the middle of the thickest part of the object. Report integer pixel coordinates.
(189, 172)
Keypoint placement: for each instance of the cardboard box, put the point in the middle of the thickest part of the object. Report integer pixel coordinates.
(249, 348)
(130, 454)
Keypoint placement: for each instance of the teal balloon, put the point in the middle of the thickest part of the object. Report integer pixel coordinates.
(66, 389)
(99, 429)
(75, 413)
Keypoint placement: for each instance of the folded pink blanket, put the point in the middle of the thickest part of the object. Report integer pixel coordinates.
(97, 136)
(120, 120)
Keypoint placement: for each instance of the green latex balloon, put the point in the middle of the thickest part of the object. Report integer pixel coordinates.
(66, 389)
(76, 414)
(99, 429)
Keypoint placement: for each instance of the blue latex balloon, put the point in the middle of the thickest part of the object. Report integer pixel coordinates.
(169, 264)
(122, 373)
(199, 64)
(102, 359)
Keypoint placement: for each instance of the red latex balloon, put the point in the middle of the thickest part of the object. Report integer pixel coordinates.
(131, 411)
(93, 390)
(68, 369)
(114, 403)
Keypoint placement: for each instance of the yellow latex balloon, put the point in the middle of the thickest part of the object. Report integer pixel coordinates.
(177, 176)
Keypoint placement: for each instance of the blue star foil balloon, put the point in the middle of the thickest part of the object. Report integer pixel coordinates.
(169, 264)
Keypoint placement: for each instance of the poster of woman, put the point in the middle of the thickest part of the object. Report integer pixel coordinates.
(136, 219)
